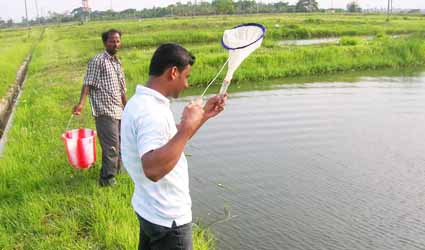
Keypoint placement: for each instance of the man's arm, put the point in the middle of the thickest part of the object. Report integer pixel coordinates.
(90, 80)
(79, 107)
(124, 89)
(123, 99)
(159, 162)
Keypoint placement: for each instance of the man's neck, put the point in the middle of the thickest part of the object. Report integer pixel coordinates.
(157, 84)
(111, 55)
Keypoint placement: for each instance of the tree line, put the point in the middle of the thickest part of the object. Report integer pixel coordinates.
(215, 7)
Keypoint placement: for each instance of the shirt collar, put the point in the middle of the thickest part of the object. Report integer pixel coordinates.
(114, 57)
(142, 90)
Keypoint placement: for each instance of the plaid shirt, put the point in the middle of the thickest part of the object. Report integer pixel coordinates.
(106, 80)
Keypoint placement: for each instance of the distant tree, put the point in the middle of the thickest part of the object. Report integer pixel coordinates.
(353, 7)
(307, 6)
(77, 11)
(281, 7)
(245, 6)
(188, 8)
(206, 8)
(223, 6)
(59, 17)
(80, 14)
(414, 11)
(9, 23)
(128, 13)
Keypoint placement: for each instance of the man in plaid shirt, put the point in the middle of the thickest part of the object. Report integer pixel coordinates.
(105, 84)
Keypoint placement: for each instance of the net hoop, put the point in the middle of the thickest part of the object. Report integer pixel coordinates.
(245, 25)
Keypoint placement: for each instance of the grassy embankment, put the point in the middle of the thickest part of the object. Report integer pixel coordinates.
(46, 204)
(273, 61)
(201, 35)
(16, 45)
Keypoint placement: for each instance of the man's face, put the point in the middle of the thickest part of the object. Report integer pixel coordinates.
(181, 80)
(113, 43)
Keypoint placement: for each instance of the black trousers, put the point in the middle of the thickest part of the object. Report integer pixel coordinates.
(156, 237)
(108, 132)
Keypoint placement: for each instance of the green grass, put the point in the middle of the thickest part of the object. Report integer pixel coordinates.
(48, 205)
(16, 47)
(289, 61)
(141, 37)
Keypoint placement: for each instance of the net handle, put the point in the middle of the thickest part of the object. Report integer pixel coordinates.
(212, 81)
(243, 25)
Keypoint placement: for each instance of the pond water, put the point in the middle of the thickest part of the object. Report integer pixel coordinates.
(320, 165)
(303, 42)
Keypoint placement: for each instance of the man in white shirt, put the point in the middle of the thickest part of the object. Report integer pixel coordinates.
(152, 150)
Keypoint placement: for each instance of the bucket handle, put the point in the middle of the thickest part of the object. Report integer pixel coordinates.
(69, 121)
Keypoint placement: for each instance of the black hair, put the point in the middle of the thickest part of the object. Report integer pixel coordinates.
(169, 55)
(106, 34)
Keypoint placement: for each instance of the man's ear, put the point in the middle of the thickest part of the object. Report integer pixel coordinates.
(173, 73)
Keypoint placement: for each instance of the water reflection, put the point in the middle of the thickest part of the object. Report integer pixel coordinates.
(315, 41)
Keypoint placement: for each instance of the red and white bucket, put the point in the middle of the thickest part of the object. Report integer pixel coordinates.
(80, 147)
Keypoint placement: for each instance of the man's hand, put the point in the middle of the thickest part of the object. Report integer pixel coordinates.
(192, 118)
(77, 109)
(214, 106)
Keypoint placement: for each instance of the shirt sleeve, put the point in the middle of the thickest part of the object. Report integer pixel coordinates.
(151, 132)
(93, 73)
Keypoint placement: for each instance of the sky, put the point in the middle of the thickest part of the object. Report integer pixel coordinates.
(15, 9)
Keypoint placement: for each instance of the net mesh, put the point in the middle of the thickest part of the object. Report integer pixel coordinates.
(241, 41)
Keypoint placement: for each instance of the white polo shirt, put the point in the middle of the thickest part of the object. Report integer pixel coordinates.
(148, 124)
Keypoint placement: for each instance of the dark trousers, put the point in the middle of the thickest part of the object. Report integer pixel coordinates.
(156, 237)
(108, 131)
